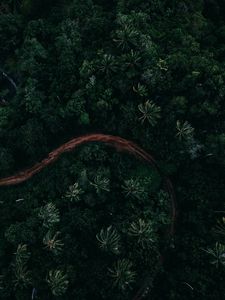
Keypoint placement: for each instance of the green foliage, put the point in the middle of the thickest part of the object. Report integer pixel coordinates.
(126, 36)
(101, 184)
(141, 90)
(19, 232)
(33, 98)
(142, 231)
(85, 238)
(220, 228)
(133, 188)
(150, 112)
(10, 26)
(4, 117)
(109, 240)
(22, 254)
(49, 215)
(74, 192)
(35, 7)
(107, 64)
(52, 243)
(1, 282)
(184, 130)
(57, 282)
(94, 66)
(34, 54)
(163, 200)
(122, 274)
(217, 254)
(6, 159)
(22, 274)
(22, 277)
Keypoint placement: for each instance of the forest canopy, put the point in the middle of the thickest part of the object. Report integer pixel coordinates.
(94, 225)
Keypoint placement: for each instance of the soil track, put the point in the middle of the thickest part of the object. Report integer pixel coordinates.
(115, 141)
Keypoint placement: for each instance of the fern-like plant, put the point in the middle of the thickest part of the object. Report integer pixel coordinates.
(109, 240)
(122, 274)
(58, 282)
(150, 112)
(49, 214)
(52, 243)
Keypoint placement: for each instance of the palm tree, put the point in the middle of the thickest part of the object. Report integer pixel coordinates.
(49, 214)
(132, 188)
(23, 276)
(131, 59)
(220, 228)
(108, 64)
(74, 192)
(143, 231)
(141, 90)
(109, 240)
(52, 243)
(22, 254)
(122, 274)
(184, 130)
(100, 184)
(150, 112)
(217, 254)
(57, 282)
(126, 36)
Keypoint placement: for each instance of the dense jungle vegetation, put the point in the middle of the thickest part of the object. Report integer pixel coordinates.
(94, 225)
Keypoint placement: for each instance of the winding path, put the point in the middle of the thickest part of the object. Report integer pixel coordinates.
(114, 141)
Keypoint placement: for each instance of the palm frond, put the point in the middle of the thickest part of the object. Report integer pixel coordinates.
(184, 130)
(74, 192)
(109, 240)
(122, 274)
(150, 112)
(142, 231)
(217, 254)
(58, 282)
(101, 184)
(133, 188)
(49, 214)
(52, 243)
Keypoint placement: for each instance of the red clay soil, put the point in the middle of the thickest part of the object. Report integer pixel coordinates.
(115, 141)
